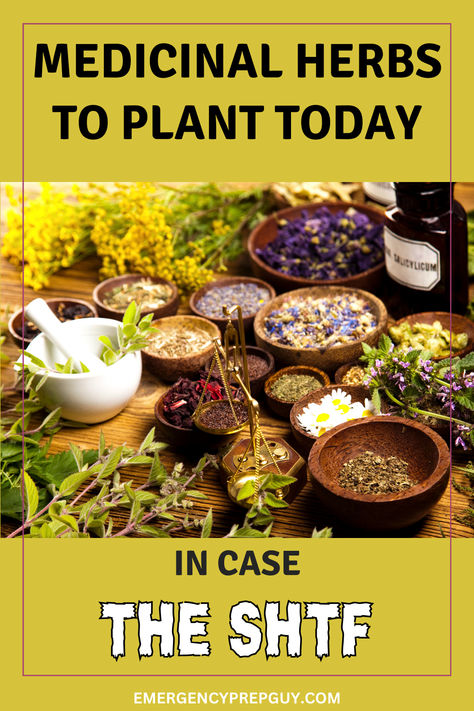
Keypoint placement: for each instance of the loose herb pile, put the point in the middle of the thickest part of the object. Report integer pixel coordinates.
(325, 245)
(170, 341)
(417, 387)
(143, 292)
(251, 297)
(311, 322)
(369, 473)
(181, 400)
(431, 337)
(354, 376)
(291, 387)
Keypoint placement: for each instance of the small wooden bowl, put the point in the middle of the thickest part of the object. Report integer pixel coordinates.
(460, 324)
(168, 309)
(266, 232)
(187, 437)
(328, 359)
(305, 440)
(282, 408)
(343, 369)
(425, 452)
(256, 384)
(227, 281)
(14, 322)
(170, 369)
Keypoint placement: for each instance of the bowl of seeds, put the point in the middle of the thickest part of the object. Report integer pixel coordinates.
(251, 294)
(260, 365)
(320, 243)
(154, 296)
(381, 473)
(180, 347)
(319, 326)
(288, 385)
(65, 310)
(325, 408)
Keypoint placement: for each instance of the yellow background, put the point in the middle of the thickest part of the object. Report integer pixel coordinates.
(407, 580)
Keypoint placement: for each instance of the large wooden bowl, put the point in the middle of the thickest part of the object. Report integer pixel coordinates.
(455, 322)
(170, 369)
(306, 440)
(425, 452)
(328, 359)
(227, 281)
(168, 309)
(266, 232)
(280, 407)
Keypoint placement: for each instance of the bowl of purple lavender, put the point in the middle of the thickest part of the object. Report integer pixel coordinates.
(251, 294)
(323, 327)
(334, 243)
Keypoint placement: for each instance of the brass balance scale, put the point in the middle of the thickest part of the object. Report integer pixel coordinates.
(252, 458)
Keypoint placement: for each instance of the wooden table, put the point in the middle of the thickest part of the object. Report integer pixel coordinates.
(133, 423)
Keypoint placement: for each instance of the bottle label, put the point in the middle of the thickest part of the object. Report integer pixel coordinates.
(412, 263)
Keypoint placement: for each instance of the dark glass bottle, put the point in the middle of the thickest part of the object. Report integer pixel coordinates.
(417, 249)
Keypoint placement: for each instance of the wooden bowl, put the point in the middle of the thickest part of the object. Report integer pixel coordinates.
(184, 436)
(256, 384)
(222, 322)
(15, 320)
(343, 369)
(460, 324)
(328, 359)
(170, 369)
(305, 440)
(266, 232)
(425, 452)
(282, 408)
(168, 309)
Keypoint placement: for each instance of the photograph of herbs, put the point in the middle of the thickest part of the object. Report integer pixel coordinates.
(121, 455)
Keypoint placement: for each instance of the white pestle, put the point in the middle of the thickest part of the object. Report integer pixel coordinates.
(46, 320)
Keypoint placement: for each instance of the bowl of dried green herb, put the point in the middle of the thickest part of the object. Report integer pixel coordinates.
(288, 385)
(379, 473)
(154, 296)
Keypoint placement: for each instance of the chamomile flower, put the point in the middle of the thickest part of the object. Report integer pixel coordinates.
(318, 418)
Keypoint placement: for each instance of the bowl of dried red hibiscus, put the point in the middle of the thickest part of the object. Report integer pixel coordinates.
(333, 243)
(175, 408)
(379, 473)
(65, 310)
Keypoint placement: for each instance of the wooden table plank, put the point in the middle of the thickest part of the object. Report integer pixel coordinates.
(133, 423)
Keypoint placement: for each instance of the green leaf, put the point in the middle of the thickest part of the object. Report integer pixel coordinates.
(130, 315)
(246, 491)
(67, 520)
(77, 454)
(111, 463)
(69, 485)
(101, 444)
(129, 331)
(196, 494)
(274, 502)
(153, 532)
(140, 459)
(277, 481)
(207, 525)
(46, 531)
(248, 533)
(32, 495)
(148, 440)
(34, 359)
(107, 342)
(323, 533)
(158, 473)
(375, 397)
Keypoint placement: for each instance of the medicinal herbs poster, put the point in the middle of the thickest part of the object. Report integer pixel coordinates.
(237, 355)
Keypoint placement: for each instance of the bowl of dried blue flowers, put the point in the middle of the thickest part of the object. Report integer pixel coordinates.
(334, 243)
